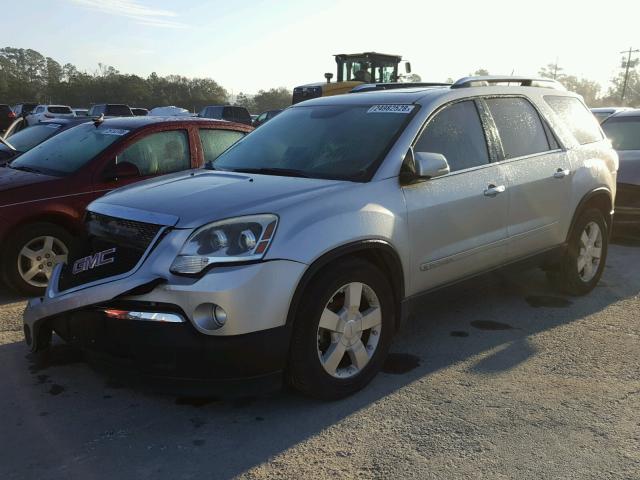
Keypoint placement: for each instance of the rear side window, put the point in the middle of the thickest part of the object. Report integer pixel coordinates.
(242, 115)
(577, 117)
(456, 132)
(159, 153)
(119, 111)
(519, 126)
(624, 132)
(214, 142)
(60, 110)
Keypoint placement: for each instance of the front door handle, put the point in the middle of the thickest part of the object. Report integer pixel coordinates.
(492, 190)
(561, 173)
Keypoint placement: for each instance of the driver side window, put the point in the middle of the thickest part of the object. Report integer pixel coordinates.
(159, 153)
(456, 132)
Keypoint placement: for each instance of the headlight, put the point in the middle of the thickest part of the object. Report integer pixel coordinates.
(241, 239)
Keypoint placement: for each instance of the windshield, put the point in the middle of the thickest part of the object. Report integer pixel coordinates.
(30, 137)
(67, 152)
(624, 132)
(344, 142)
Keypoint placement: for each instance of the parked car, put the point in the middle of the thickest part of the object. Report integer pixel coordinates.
(226, 112)
(265, 117)
(6, 117)
(623, 129)
(301, 249)
(45, 112)
(110, 110)
(23, 109)
(81, 112)
(139, 112)
(170, 112)
(602, 113)
(25, 139)
(43, 192)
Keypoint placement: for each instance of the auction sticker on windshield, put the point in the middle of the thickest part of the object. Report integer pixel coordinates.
(114, 131)
(391, 109)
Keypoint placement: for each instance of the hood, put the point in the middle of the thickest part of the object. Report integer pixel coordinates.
(629, 170)
(11, 179)
(202, 196)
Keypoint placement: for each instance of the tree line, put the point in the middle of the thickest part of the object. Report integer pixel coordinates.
(28, 76)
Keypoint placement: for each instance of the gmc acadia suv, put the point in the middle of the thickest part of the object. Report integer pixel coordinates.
(298, 252)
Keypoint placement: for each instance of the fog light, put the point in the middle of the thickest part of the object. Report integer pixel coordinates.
(219, 316)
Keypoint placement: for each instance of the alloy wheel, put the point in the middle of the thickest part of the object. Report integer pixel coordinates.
(38, 257)
(590, 252)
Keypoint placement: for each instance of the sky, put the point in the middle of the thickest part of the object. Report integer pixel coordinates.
(259, 44)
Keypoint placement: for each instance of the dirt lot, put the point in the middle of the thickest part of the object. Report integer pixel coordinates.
(497, 378)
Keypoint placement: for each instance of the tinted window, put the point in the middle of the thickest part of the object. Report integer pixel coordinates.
(60, 110)
(119, 111)
(159, 153)
(214, 142)
(624, 132)
(68, 151)
(340, 142)
(228, 114)
(519, 126)
(30, 137)
(39, 109)
(576, 117)
(455, 132)
(242, 115)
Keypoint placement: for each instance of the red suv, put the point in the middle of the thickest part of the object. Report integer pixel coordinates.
(43, 192)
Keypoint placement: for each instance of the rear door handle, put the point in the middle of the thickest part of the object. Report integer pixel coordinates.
(560, 173)
(492, 190)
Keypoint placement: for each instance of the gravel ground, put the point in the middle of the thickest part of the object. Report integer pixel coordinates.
(496, 378)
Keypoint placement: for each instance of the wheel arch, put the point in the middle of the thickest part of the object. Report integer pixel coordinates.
(378, 252)
(600, 198)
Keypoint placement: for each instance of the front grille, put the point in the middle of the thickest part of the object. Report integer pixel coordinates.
(112, 246)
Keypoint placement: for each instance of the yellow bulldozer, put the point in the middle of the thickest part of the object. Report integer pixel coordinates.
(353, 69)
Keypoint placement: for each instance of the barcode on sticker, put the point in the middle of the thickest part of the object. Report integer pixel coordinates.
(391, 109)
(114, 131)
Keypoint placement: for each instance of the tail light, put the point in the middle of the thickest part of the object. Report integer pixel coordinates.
(11, 114)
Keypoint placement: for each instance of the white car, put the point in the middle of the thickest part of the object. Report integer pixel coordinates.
(46, 112)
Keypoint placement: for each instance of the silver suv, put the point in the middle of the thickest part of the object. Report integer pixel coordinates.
(299, 251)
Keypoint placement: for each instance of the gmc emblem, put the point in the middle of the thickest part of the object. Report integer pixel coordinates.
(92, 261)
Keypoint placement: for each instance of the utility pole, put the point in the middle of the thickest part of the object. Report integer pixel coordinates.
(626, 73)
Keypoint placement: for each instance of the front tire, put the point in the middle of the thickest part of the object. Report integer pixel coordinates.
(30, 255)
(583, 264)
(342, 331)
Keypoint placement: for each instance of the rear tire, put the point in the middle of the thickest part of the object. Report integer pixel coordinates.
(581, 268)
(342, 331)
(30, 254)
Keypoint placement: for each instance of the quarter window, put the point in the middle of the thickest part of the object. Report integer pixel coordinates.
(214, 142)
(159, 153)
(456, 133)
(519, 126)
(577, 118)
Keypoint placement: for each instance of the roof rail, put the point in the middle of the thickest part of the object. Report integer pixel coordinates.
(368, 87)
(485, 81)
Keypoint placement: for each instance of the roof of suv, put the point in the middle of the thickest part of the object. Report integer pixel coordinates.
(627, 113)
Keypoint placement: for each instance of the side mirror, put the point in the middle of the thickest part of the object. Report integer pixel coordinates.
(430, 165)
(407, 67)
(122, 170)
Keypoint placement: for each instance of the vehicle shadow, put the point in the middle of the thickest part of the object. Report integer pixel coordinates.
(61, 418)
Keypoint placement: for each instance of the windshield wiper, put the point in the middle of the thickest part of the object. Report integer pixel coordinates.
(285, 172)
(25, 169)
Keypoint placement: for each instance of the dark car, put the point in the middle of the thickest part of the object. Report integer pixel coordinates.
(623, 129)
(110, 110)
(27, 138)
(43, 192)
(264, 117)
(6, 117)
(24, 109)
(226, 112)
(139, 112)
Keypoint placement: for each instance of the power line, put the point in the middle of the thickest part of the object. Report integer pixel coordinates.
(626, 73)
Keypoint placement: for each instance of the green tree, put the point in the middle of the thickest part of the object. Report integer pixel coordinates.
(272, 99)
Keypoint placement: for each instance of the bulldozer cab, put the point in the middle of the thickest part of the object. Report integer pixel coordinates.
(368, 67)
